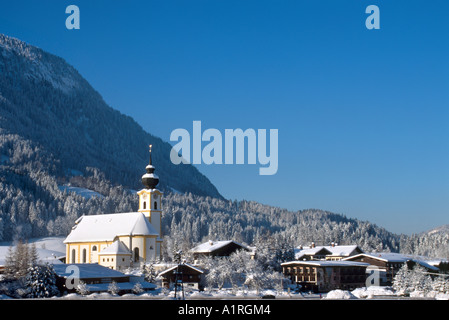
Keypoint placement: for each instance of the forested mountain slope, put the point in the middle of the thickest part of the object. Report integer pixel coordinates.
(47, 104)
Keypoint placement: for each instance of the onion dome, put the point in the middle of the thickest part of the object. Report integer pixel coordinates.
(150, 179)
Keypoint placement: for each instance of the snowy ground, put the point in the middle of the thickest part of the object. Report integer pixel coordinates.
(375, 292)
(361, 293)
(86, 193)
(48, 249)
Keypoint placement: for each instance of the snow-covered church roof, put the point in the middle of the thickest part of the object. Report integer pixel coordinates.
(117, 247)
(106, 227)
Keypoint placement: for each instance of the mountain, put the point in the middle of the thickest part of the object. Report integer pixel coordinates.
(64, 153)
(47, 103)
(444, 229)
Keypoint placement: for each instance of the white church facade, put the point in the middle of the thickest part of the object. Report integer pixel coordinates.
(121, 240)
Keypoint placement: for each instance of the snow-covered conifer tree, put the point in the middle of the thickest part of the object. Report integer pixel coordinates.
(113, 288)
(82, 288)
(41, 282)
(401, 281)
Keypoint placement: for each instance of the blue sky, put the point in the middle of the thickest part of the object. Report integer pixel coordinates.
(363, 115)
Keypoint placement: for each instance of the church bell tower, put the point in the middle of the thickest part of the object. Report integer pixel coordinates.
(150, 203)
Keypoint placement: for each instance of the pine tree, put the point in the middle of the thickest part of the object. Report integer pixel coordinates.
(151, 275)
(138, 289)
(41, 282)
(419, 279)
(401, 281)
(113, 288)
(82, 288)
(22, 259)
(33, 255)
(10, 263)
(19, 259)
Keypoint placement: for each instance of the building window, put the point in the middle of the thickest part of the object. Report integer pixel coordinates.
(73, 256)
(155, 205)
(144, 204)
(94, 248)
(136, 254)
(84, 255)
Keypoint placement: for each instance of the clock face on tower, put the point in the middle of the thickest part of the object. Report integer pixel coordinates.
(155, 196)
(144, 196)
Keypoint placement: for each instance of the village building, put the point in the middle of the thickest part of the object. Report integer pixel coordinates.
(333, 252)
(222, 248)
(97, 278)
(187, 274)
(387, 264)
(121, 240)
(324, 276)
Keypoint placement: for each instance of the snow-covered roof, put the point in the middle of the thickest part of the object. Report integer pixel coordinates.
(184, 264)
(105, 227)
(117, 247)
(327, 263)
(394, 257)
(87, 271)
(335, 250)
(211, 246)
(94, 271)
(343, 251)
(310, 251)
(385, 256)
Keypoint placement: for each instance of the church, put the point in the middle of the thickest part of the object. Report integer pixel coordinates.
(121, 240)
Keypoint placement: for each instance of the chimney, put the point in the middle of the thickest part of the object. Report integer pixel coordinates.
(333, 244)
(313, 245)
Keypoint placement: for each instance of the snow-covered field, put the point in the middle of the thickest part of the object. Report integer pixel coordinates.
(48, 249)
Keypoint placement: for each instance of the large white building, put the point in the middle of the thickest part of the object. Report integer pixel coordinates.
(121, 240)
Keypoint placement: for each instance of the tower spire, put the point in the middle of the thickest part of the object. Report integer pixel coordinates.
(150, 179)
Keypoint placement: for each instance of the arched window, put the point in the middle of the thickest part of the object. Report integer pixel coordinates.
(73, 256)
(84, 255)
(144, 204)
(136, 254)
(155, 205)
(94, 248)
